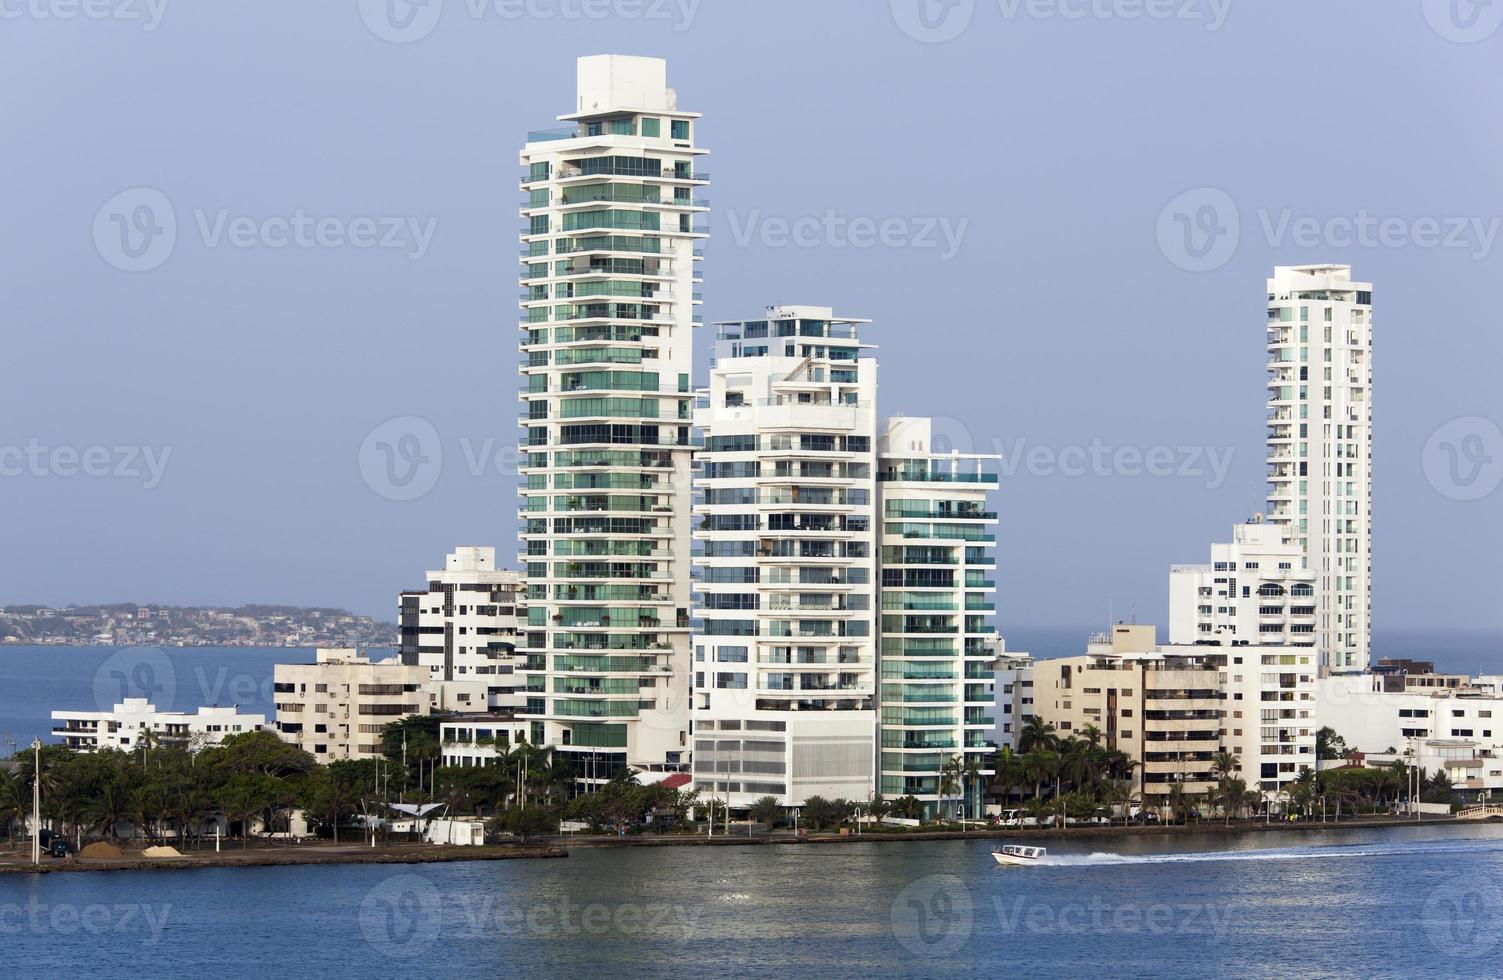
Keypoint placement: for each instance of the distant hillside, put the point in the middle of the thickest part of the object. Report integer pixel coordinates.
(132, 624)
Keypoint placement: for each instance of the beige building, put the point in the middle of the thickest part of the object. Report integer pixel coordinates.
(336, 708)
(1162, 710)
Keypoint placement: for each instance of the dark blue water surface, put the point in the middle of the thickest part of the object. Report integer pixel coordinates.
(1407, 902)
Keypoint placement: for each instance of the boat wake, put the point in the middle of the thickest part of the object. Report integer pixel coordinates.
(1470, 845)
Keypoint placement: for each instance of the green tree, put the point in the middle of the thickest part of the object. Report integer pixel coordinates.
(1329, 745)
(818, 812)
(766, 809)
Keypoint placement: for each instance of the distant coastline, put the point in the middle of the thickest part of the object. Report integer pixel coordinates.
(134, 625)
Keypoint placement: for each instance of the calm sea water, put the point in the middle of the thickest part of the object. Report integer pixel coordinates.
(1399, 903)
(35, 681)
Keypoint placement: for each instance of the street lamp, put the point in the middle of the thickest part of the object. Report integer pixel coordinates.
(36, 802)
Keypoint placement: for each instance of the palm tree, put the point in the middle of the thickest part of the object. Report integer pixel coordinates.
(950, 776)
(1036, 733)
(766, 809)
(1092, 736)
(818, 811)
(13, 803)
(107, 809)
(973, 780)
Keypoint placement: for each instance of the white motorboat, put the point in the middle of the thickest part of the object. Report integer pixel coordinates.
(1019, 854)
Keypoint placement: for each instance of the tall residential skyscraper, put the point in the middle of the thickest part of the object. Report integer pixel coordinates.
(608, 280)
(1320, 445)
(938, 653)
(785, 656)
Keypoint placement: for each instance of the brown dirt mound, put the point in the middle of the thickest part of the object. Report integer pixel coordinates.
(162, 852)
(100, 849)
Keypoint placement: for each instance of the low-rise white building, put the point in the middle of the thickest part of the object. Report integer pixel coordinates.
(480, 740)
(337, 707)
(136, 721)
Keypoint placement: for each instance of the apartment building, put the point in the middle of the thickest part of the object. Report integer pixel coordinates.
(135, 723)
(1255, 590)
(1320, 446)
(1012, 693)
(1163, 710)
(785, 651)
(337, 707)
(465, 626)
(1268, 708)
(937, 654)
(613, 225)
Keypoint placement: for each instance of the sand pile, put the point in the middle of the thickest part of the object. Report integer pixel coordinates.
(162, 852)
(100, 849)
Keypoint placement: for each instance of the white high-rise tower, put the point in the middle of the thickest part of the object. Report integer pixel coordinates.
(1320, 445)
(608, 280)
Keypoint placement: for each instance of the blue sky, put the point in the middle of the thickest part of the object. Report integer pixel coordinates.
(995, 200)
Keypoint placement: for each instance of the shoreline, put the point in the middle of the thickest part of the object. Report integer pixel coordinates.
(1052, 834)
(18, 863)
(281, 857)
